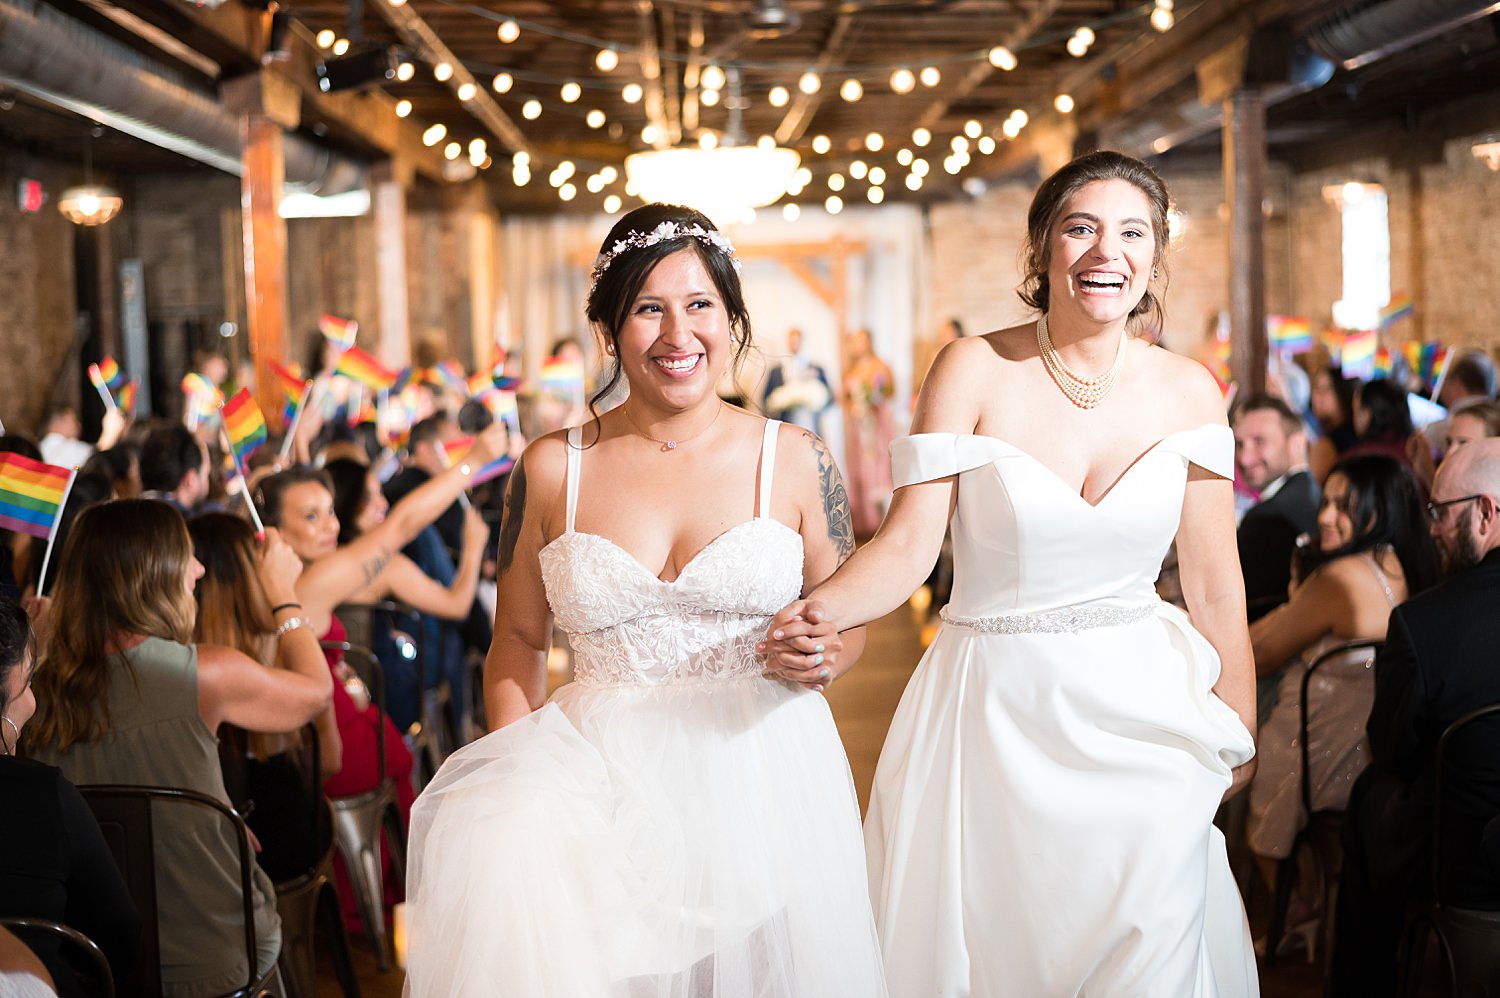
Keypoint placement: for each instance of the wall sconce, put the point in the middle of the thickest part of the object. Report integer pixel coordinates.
(1487, 153)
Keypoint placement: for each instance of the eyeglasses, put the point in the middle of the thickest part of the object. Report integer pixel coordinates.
(1435, 509)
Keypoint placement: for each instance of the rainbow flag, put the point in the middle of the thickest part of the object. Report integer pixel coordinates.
(292, 385)
(1290, 333)
(1399, 307)
(1333, 342)
(245, 425)
(449, 375)
(339, 332)
(1385, 362)
(404, 377)
(562, 374)
(360, 366)
(502, 406)
(1412, 351)
(126, 396)
(110, 371)
(1435, 363)
(31, 494)
(203, 398)
(456, 449)
(1357, 358)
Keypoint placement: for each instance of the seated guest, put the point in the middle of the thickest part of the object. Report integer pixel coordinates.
(1332, 404)
(1437, 665)
(1271, 451)
(1382, 418)
(1469, 379)
(1475, 421)
(234, 611)
(1372, 550)
(175, 468)
(123, 696)
(121, 464)
(54, 862)
(360, 506)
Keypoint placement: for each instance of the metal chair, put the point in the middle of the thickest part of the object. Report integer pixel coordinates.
(1322, 833)
(125, 817)
(79, 953)
(1467, 938)
(359, 819)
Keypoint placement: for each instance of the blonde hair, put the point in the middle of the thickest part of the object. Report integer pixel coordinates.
(123, 572)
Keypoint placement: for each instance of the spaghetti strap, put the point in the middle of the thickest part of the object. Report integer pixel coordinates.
(575, 453)
(1370, 559)
(767, 467)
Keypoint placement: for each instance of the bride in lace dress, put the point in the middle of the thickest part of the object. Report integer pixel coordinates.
(1041, 818)
(676, 822)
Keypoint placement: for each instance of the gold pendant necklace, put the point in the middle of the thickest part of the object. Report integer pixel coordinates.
(671, 444)
(1086, 393)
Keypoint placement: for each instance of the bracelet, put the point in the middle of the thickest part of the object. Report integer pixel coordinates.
(289, 625)
(285, 606)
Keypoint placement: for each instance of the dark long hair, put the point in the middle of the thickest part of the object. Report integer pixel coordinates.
(1386, 510)
(1048, 203)
(1390, 416)
(350, 480)
(270, 494)
(615, 290)
(17, 644)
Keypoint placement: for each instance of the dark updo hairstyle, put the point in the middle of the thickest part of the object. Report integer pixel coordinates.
(1047, 206)
(350, 481)
(614, 291)
(1385, 510)
(270, 494)
(17, 643)
(1390, 415)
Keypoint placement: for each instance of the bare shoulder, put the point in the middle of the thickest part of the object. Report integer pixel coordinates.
(1181, 384)
(814, 478)
(966, 372)
(214, 657)
(545, 460)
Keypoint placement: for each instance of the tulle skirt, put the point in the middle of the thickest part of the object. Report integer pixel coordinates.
(694, 840)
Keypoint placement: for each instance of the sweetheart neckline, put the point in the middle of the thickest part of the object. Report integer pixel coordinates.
(685, 565)
(1059, 480)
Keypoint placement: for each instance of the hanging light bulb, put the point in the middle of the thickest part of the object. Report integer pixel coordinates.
(920, 137)
(612, 204)
(809, 83)
(570, 92)
(403, 108)
(709, 98)
(567, 192)
(903, 81)
(913, 182)
(904, 156)
(708, 140)
(607, 60)
(478, 146)
(1162, 19)
(987, 145)
(325, 38)
(594, 119)
(833, 204)
(1085, 34)
(875, 195)
(874, 142)
(531, 110)
(1002, 58)
(858, 169)
(452, 150)
(442, 72)
(565, 169)
(959, 144)
(502, 83)
(973, 129)
(650, 134)
(851, 90)
(595, 183)
(1063, 103)
(952, 165)
(340, 46)
(713, 77)
(821, 144)
(790, 211)
(1020, 117)
(609, 174)
(778, 97)
(508, 31)
(1077, 47)
(631, 93)
(521, 158)
(434, 134)
(521, 175)
(405, 71)
(930, 76)
(467, 91)
(802, 177)
(921, 167)
(877, 176)
(835, 181)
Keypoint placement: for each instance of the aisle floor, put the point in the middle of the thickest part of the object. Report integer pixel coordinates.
(862, 703)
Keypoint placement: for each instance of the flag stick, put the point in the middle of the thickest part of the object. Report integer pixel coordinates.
(41, 585)
(463, 497)
(97, 377)
(260, 528)
(291, 433)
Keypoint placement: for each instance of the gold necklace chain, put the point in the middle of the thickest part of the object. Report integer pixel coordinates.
(671, 444)
(1086, 393)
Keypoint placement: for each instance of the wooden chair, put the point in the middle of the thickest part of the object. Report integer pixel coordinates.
(1468, 939)
(1322, 833)
(80, 953)
(125, 817)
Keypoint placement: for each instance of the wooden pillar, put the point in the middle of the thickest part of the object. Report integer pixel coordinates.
(389, 183)
(268, 105)
(1245, 192)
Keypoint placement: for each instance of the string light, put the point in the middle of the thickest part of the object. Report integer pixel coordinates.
(809, 83)
(708, 140)
(790, 211)
(341, 46)
(1020, 117)
(930, 76)
(520, 175)
(567, 192)
(531, 110)
(765, 142)
(903, 81)
(904, 156)
(875, 195)
(835, 181)
(1011, 128)
(921, 167)
(521, 158)
(442, 72)
(479, 146)
(508, 31)
(1002, 58)
(851, 90)
(570, 92)
(709, 98)
(821, 144)
(403, 108)
(325, 38)
(594, 119)
(713, 78)
(874, 142)
(834, 204)
(467, 91)
(502, 83)
(920, 137)
(877, 176)
(595, 184)
(803, 176)
(959, 144)
(609, 174)
(858, 169)
(434, 134)
(778, 97)
(1162, 18)
(987, 145)
(1063, 103)
(566, 169)
(973, 129)
(612, 204)
(913, 182)
(607, 60)
(631, 93)
(452, 150)
(405, 71)
(1085, 34)
(650, 134)
(951, 165)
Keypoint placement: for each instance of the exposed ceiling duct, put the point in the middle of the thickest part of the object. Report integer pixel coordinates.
(68, 64)
(1367, 30)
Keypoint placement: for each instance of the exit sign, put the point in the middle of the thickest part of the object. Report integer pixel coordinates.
(29, 194)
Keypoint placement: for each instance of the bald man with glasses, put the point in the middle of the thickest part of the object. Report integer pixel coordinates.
(1441, 660)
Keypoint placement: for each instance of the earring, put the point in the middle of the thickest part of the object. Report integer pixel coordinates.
(1155, 273)
(16, 736)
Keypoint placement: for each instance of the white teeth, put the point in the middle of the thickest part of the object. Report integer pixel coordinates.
(1116, 279)
(686, 364)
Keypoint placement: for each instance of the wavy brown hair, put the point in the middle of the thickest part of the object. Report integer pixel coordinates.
(123, 572)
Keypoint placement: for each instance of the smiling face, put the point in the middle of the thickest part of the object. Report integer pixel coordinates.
(1100, 253)
(1464, 428)
(374, 508)
(308, 523)
(1335, 526)
(676, 340)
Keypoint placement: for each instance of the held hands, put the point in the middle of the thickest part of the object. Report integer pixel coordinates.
(280, 568)
(803, 646)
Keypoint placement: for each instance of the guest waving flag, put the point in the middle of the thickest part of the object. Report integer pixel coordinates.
(455, 450)
(126, 396)
(32, 494)
(245, 424)
(365, 369)
(101, 385)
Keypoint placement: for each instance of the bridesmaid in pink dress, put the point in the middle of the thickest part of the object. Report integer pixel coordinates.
(868, 431)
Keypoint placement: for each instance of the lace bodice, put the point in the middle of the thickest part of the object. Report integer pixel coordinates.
(629, 627)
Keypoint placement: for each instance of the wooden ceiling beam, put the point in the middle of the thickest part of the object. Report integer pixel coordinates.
(1033, 20)
(835, 48)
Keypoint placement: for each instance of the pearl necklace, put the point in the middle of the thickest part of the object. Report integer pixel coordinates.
(671, 444)
(1086, 393)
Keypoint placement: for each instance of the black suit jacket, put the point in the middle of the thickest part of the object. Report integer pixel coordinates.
(1268, 536)
(1441, 660)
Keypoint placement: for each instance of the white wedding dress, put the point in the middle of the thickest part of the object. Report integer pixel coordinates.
(1041, 819)
(672, 824)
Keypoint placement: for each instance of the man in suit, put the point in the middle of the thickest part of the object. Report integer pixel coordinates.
(796, 390)
(1441, 660)
(1270, 448)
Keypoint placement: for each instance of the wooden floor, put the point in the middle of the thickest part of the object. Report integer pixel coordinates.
(863, 703)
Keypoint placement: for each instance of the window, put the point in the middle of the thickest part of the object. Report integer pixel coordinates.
(1366, 251)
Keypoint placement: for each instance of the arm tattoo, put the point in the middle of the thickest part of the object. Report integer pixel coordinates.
(510, 523)
(375, 564)
(836, 509)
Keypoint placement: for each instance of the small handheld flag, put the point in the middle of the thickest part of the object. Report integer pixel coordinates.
(102, 387)
(1399, 307)
(245, 424)
(365, 369)
(455, 450)
(31, 494)
(109, 368)
(339, 332)
(1290, 333)
(127, 396)
(1358, 356)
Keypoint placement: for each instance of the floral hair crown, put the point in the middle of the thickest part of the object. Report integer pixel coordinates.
(660, 234)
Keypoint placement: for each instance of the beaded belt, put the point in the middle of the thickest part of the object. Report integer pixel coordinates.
(1063, 620)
